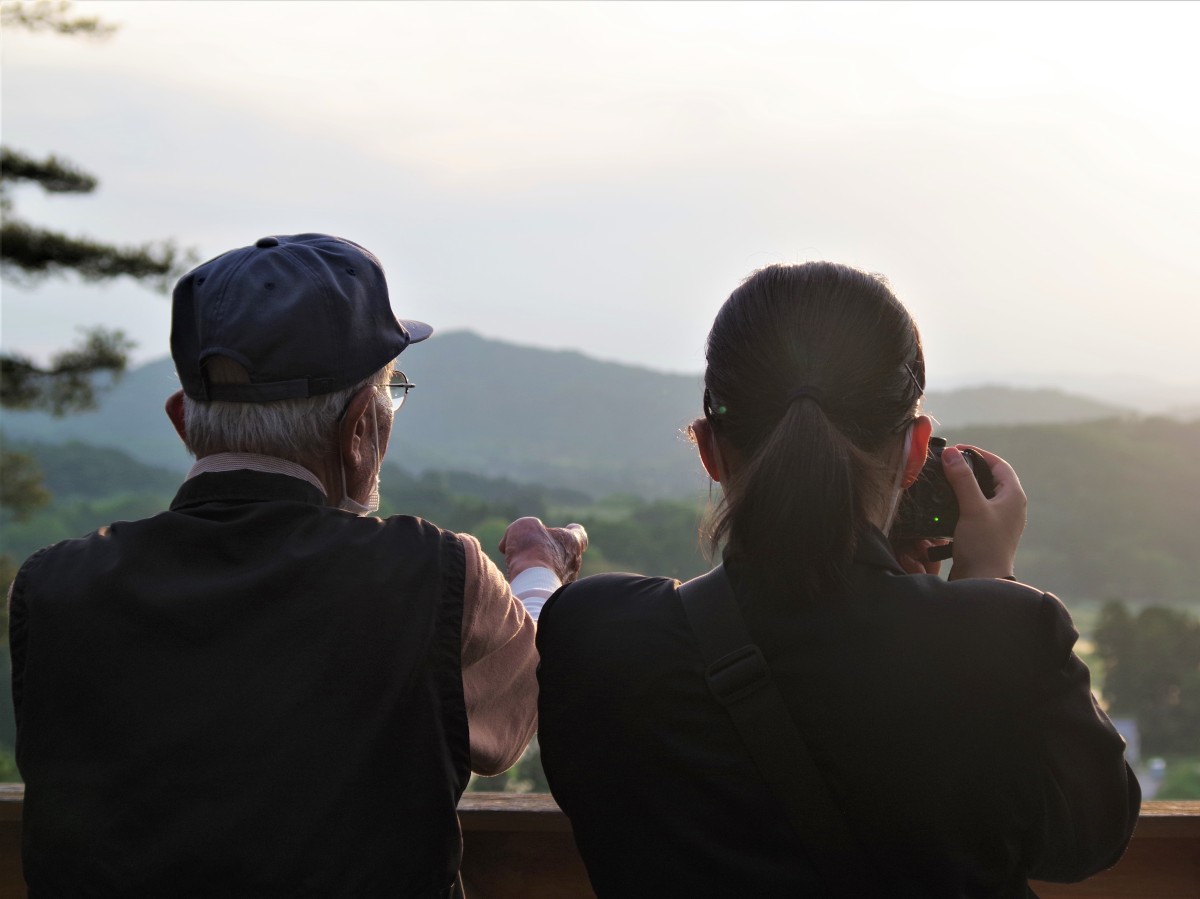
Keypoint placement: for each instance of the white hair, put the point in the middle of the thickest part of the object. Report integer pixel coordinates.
(299, 430)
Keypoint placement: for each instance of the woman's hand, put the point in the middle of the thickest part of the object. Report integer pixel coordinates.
(988, 531)
(913, 555)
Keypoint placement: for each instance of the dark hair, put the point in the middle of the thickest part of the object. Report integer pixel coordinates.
(811, 368)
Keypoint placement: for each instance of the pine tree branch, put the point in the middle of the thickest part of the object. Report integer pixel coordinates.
(29, 254)
(53, 174)
(52, 15)
(68, 384)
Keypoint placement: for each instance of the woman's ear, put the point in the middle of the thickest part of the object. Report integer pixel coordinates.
(175, 413)
(706, 443)
(918, 450)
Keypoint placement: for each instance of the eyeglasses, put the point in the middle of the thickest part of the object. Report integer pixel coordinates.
(398, 388)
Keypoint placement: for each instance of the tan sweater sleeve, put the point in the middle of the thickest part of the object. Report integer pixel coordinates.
(499, 665)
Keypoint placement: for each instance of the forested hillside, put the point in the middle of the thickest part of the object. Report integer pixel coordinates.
(1114, 506)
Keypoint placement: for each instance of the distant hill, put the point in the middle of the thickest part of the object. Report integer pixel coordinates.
(1185, 413)
(129, 417)
(559, 418)
(1114, 506)
(1142, 392)
(482, 406)
(556, 418)
(997, 405)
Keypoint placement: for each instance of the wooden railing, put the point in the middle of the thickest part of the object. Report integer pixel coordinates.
(520, 847)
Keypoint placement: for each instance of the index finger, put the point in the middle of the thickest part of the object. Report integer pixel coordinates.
(581, 532)
(962, 479)
(1002, 473)
(576, 533)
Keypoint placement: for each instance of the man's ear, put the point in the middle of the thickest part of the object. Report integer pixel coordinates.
(706, 443)
(918, 451)
(175, 413)
(352, 430)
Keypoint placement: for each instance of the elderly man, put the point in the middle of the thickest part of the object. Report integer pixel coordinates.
(266, 691)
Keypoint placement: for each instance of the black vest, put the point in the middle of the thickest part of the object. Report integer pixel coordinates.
(251, 694)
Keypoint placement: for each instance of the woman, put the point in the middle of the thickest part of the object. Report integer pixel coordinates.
(950, 724)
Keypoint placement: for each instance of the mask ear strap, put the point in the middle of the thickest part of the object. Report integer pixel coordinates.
(373, 496)
(348, 503)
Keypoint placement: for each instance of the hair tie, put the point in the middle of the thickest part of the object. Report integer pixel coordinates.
(806, 393)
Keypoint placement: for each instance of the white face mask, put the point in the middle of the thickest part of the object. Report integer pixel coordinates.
(348, 503)
(897, 487)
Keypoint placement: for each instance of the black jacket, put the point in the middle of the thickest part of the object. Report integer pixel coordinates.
(952, 722)
(252, 694)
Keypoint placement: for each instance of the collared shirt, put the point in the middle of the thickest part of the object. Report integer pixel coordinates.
(499, 660)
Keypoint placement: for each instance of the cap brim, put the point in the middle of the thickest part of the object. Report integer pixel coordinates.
(417, 331)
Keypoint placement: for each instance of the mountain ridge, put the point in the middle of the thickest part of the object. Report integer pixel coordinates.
(558, 417)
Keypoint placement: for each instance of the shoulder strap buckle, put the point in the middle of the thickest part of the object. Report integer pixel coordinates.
(737, 674)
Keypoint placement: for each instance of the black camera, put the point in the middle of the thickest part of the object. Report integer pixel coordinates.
(929, 509)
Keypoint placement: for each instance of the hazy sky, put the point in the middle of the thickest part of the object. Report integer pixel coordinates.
(600, 176)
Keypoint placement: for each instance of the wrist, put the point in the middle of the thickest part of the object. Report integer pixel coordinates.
(524, 561)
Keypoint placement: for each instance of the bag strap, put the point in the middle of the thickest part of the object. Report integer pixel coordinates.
(739, 679)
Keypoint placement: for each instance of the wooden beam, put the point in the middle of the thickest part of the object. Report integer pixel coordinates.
(520, 847)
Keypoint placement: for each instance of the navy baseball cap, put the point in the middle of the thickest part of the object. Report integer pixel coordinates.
(304, 314)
